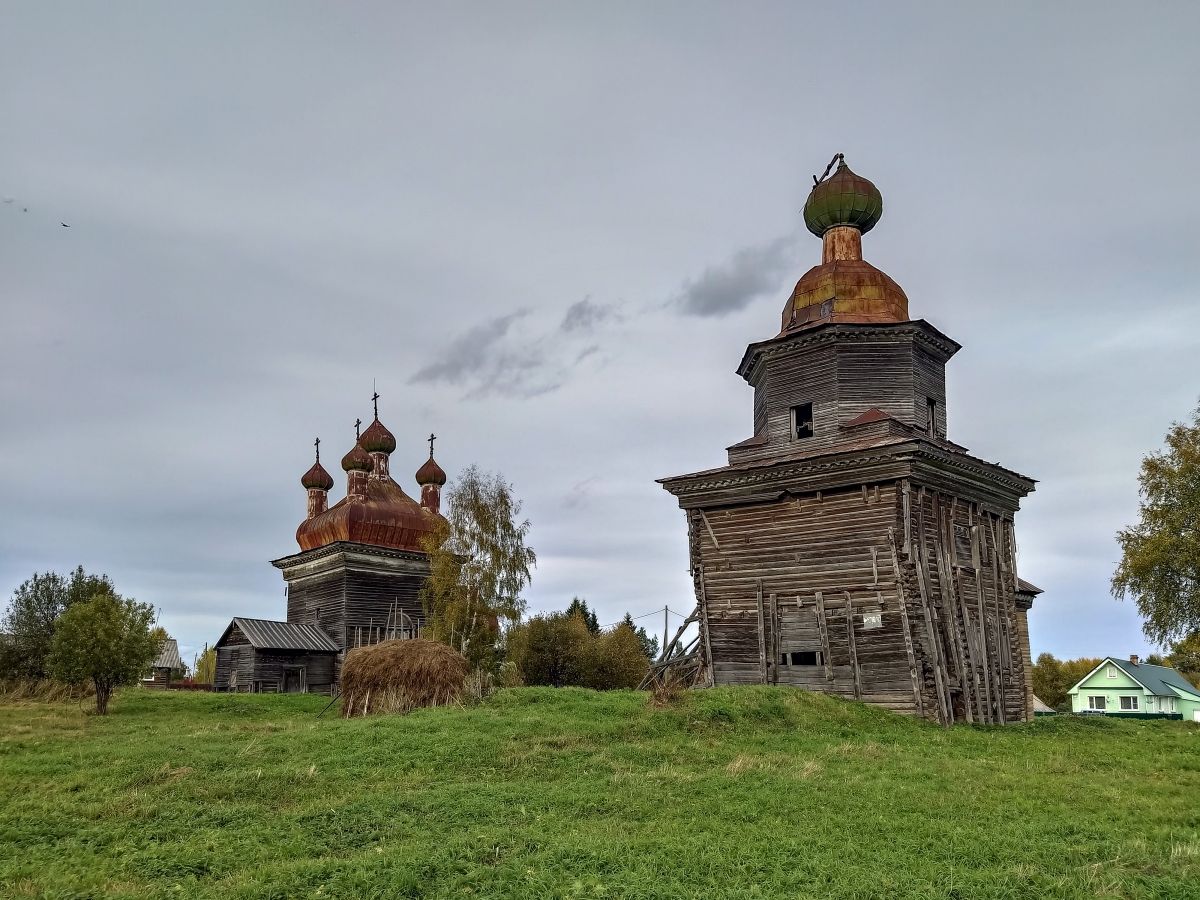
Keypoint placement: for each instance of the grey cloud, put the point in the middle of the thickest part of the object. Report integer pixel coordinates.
(586, 316)
(736, 283)
(471, 353)
(488, 361)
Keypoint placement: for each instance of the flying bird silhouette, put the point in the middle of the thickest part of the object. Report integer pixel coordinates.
(64, 224)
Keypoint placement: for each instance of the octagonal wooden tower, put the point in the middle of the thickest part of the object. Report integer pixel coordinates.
(849, 546)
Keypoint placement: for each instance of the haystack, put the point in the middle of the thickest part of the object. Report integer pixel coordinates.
(397, 676)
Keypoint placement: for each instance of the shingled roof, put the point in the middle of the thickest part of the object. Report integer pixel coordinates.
(264, 634)
(168, 657)
(1161, 681)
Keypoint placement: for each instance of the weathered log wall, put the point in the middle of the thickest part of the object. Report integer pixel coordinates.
(890, 594)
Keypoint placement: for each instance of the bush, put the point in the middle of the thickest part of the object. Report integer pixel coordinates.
(559, 650)
(616, 660)
(106, 640)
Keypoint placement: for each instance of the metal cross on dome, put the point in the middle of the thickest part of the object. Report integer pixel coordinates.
(432, 438)
(317, 445)
(357, 426)
(375, 400)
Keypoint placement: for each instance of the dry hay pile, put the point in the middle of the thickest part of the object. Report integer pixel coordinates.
(397, 676)
(44, 689)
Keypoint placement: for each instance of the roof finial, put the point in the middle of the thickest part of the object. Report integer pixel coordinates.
(432, 438)
(317, 445)
(837, 157)
(375, 398)
(357, 426)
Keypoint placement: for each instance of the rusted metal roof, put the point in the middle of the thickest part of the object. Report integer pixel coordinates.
(874, 414)
(168, 657)
(384, 517)
(264, 634)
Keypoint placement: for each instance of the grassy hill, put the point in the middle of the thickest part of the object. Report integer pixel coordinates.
(756, 792)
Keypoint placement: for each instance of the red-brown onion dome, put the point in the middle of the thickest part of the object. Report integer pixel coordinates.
(357, 458)
(377, 439)
(430, 473)
(317, 478)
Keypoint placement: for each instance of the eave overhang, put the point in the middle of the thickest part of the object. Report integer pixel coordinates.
(768, 480)
(918, 329)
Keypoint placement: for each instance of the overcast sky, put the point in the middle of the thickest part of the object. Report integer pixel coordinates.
(547, 232)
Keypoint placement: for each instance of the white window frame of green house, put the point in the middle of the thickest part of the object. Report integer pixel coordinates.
(1129, 703)
(1111, 672)
(1092, 698)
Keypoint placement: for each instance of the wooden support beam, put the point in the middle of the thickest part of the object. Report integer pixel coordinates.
(853, 647)
(775, 642)
(823, 626)
(940, 676)
(711, 533)
(703, 609)
(943, 547)
(762, 637)
(967, 636)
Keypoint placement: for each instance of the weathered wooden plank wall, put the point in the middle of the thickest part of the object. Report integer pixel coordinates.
(801, 575)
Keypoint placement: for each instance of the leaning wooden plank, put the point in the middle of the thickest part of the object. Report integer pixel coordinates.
(708, 658)
(762, 638)
(941, 547)
(908, 640)
(711, 534)
(823, 625)
(856, 673)
(939, 677)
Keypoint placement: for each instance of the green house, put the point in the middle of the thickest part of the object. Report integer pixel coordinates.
(1125, 687)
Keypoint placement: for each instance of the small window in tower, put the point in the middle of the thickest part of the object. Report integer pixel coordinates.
(802, 421)
(931, 416)
(806, 657)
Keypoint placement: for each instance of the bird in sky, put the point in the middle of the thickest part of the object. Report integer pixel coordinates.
(64, 224)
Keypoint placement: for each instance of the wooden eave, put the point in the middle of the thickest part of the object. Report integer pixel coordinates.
(341, 547)
(886, 460)
(920, 330)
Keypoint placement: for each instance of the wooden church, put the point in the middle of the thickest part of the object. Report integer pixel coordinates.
(849, 546)
(356, 580)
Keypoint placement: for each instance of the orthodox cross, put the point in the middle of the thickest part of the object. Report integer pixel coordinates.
(317, 445)
(375, 400)
(432, 438)
(357, 426)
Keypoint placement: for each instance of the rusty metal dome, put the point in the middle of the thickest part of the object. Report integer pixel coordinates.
(317, 478)
(357, 459)
(377, 439)
(430, 473)
(843, 198)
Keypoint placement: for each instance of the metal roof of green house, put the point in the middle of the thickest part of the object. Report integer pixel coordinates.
(1162, 681)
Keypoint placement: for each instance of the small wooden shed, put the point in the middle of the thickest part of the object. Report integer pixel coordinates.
(261, 656)
(168, 661)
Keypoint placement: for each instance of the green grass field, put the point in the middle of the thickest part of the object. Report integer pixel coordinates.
(755, 792)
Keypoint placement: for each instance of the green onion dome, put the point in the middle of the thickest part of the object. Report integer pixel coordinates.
(843, 199)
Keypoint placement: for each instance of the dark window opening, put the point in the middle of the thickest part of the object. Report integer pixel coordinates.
(802, 421)
(931, 416)
(802, 658)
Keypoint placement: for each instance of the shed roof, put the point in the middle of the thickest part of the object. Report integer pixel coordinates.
(264, 634)
(168, 657)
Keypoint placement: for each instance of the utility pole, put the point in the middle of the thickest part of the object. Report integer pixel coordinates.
(666, 632)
